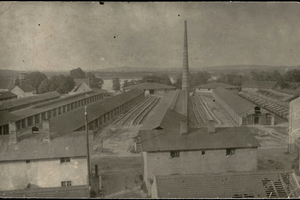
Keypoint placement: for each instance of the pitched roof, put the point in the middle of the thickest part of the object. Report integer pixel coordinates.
(259, 84)
(7, 83)
(221, 185)
(235, 102)
(159, 116)
(30, 146)
(7, 94)
(73, 120)
(150, 86)
(78, 81)
(215, 85)
(197, 139)
(26, 88)
(28, 100)
(52, 192)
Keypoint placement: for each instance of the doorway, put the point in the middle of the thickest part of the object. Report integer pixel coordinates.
(256, 120)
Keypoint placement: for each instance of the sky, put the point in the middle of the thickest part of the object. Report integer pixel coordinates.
(67, 35)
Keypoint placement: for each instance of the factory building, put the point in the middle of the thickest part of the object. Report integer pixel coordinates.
(242, 111)
(209, 87)
(257, 85)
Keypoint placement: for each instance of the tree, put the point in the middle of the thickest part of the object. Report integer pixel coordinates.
(77, 73)
(116, 84)
(44, 86)
(94, 81)
(62, 84)
(164, 79)
(35, 79)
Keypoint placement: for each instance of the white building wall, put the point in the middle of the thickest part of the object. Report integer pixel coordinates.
(43, 173)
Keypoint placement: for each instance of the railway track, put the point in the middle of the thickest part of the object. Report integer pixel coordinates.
(137, 114)
(200, 116)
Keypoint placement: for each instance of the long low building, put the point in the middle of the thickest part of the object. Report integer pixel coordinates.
(242, 111)
(152, 88)
(253, 184)
(209, 87)
(31, 116)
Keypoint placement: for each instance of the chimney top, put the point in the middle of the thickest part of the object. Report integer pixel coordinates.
(13, 137)
(183, 127)
(46, 130)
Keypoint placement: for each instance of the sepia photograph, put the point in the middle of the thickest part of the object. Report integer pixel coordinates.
(149, 99)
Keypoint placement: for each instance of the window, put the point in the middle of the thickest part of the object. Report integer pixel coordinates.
(63, 160)
(66, 183)
(230, 152)
(18, 125)
(257, 110)
(203, 152)
(27, 161)
(174, 154)
(30, 121)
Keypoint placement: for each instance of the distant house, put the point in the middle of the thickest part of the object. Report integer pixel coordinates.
(256, 85)
(44, 160)
(7, 96)
(6, 84)
(209, 87)
(24, 90)
(151, 87)
(255, 184)
(81, 85)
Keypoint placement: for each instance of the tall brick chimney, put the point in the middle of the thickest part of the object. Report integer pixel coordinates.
(185, 74)
(46, 130)
(13, 138)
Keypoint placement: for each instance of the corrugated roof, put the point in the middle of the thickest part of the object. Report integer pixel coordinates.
(221, 185)
(235, 102)
(7, 95)
(259, 84)
(31, 147)
(197, 139)
(28, 100)
(27, 88)
(215, 85)
(150, 86)
(52, 192)
(73, 120)
(7, 83)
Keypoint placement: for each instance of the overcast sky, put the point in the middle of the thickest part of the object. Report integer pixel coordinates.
(67, 35)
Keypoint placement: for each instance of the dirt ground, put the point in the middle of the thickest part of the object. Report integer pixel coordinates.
(217, 109)
(121, 171)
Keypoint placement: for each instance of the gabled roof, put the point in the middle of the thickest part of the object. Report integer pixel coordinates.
(221, 185)
(259, 84)
(150, 86)
(79, 82)
(197, 139)
(28, 100)
(30, 146)
(7, 83)
(235, 102)
(7, 94)
(26, 88)
(215, 85)
(50, 192)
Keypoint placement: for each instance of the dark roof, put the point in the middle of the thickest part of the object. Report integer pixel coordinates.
(28, 100)
(215, 85)
(67, 192)
(7, 94)
(197, 139)
(7, 83)
(27, 88)
(221, 185)
(259, 84)
(73, 120)
(30, 146)
(159, 116)
(235, 102)
(150, 86)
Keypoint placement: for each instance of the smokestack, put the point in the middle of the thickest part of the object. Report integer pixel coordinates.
(13, 138)
(46, 131)
(185, 70)
(185, 73)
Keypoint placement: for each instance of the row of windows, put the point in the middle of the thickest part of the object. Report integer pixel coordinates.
(176, 154)
(62, 160)
(53, 113)
(66, 183)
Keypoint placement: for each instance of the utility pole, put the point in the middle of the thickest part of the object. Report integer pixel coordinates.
(87, 150)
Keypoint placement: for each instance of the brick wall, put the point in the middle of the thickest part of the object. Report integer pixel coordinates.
(191, 162)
